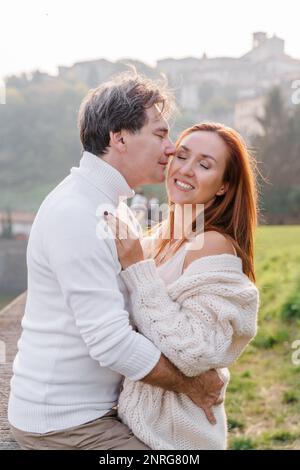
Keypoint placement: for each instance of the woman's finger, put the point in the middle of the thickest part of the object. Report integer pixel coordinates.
(118, 229)
(112, 225)
(123, 230)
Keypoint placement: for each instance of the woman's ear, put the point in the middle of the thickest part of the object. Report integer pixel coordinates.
(223, 189)
(117, 141)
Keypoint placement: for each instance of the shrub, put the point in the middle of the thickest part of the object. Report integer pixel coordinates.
(291, 310)
(242, 443)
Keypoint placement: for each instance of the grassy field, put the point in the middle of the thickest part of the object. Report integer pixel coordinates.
(263, 398)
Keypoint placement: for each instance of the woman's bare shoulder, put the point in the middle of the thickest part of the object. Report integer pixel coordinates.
(208, 244)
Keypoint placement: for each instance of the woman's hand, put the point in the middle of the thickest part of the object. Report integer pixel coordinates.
(127, 242)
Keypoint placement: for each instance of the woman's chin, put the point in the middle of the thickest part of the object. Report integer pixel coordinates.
(180, 198)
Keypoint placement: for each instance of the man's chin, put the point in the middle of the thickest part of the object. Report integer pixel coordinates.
(161, 178)
(156, 180)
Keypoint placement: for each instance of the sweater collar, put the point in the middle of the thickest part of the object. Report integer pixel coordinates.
(219, 263)
(104, 177)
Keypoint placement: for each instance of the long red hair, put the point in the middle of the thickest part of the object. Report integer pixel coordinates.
(235, 213)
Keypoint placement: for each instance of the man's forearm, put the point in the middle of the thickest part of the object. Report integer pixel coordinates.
(204, 390)
(167, 376)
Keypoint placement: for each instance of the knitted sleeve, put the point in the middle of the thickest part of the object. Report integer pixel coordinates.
(201, 322)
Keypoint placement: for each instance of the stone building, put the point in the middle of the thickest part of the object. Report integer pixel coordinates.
(226, 89)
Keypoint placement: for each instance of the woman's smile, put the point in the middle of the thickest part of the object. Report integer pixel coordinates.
(183, 185)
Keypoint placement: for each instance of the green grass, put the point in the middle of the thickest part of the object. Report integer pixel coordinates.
(242, 443)
(263, 398)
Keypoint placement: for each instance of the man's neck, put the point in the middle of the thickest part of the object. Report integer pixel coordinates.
(114, 162)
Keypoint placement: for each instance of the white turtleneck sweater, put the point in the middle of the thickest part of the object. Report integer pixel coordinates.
(77, 340)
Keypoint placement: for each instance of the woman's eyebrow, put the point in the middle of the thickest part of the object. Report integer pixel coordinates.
(208, 156)
(186, 149)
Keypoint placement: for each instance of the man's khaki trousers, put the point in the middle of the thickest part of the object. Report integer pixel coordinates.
(105, 433)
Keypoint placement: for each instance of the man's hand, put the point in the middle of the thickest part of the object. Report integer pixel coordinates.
(204, 390)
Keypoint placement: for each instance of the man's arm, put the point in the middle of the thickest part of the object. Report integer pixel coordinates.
(86, 269)
(204, 390)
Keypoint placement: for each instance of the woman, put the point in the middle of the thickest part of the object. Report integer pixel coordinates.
(195, 299)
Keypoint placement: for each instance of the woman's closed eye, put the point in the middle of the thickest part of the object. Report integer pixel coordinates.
(180, 157)
(204, 166)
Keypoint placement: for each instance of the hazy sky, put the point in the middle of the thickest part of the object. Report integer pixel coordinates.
(46, 33)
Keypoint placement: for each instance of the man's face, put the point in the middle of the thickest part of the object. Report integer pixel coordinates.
(148, 150)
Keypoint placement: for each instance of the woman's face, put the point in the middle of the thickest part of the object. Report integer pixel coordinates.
(196, 171)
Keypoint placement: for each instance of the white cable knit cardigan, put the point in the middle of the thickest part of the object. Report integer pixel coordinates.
(201, 321)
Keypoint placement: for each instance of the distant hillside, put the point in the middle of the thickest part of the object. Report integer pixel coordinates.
(39, 140)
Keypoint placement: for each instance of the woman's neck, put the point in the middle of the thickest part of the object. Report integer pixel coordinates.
(184, 216)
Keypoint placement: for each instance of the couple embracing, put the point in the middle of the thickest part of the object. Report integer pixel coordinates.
(126, 341)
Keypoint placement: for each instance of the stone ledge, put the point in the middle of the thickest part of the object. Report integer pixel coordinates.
(10, 330)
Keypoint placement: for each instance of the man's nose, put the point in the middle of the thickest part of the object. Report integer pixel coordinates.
(170, 149)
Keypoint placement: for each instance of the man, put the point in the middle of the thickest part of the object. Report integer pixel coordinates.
(77, 342)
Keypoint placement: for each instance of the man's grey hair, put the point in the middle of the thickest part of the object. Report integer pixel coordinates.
(119, 104)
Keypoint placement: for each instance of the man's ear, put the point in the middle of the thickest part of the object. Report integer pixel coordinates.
(223, 189)
(117, 141)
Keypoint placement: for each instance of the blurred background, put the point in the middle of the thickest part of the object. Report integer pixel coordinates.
(233, 62)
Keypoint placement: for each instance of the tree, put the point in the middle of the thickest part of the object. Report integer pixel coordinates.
(279, 151)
